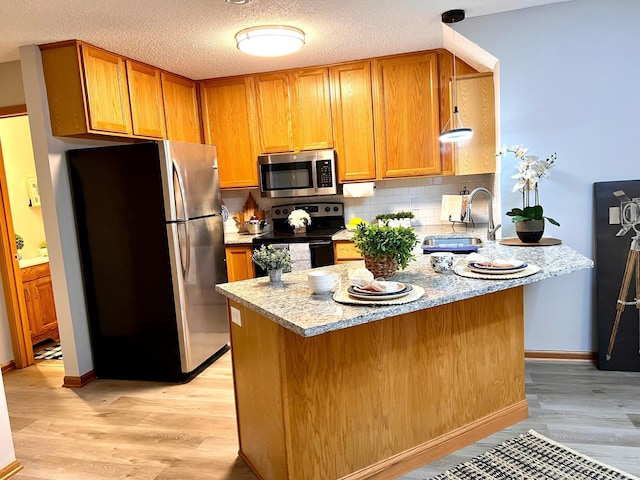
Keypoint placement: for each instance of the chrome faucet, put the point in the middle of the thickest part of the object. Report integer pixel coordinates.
(491, 229)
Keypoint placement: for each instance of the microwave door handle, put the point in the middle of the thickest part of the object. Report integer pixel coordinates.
(314, 175)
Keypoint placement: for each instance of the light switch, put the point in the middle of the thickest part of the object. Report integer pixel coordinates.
(236, 317)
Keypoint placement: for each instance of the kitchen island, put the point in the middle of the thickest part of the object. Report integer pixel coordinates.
(332, 390)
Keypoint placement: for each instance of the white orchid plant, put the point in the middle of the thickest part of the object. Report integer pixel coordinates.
(299, 218)
(530, 170)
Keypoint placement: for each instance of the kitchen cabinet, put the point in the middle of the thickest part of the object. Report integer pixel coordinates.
(476, 102)
(293, 110)
(87, 90)
(182, 115)
(145, 94)
(352, 106)
(345, 251)
(239, 263)
(41, 309)
(227, 106)
(406, 115)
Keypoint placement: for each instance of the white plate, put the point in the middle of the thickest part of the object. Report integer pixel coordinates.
(389, 288)
(496, 270)
(379, 296)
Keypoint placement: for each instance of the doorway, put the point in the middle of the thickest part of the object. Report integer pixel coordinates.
(28, 291)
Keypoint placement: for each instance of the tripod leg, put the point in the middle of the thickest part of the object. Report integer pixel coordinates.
(624, 288)
(637, 297)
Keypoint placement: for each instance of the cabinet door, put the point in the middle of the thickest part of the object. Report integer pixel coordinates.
(353, 121)
(312, 109)
(273, 106)
(181, 108)
(239, 263)
(31, 309)
(406, 115)
(476, 102)
(228, 124)
(145, 92)
(106, 91)
(45, 304)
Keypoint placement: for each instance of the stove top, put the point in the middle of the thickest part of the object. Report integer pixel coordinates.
(327, 218)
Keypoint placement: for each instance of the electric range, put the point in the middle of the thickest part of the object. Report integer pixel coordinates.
(311, 249)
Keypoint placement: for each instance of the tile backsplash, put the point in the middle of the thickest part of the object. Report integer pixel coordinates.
(422, 196)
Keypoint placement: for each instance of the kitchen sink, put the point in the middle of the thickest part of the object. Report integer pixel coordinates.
(453, 242)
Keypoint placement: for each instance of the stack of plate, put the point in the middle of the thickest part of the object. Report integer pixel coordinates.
(392, 290)
(502, 269)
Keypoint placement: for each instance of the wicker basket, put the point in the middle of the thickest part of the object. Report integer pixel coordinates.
(385, 267)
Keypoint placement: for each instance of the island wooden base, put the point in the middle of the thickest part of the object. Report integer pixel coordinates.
(379, 399)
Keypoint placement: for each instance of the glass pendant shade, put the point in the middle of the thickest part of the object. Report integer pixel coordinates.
(270, 41)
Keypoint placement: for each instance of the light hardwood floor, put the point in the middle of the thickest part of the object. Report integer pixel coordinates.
(152, 431)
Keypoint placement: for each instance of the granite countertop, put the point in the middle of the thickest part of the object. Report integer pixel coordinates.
(292, 304)
(239, 238)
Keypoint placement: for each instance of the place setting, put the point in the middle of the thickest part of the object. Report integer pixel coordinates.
(364, 289)
(478, 266)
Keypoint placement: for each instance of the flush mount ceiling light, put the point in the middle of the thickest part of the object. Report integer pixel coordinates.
(239, 2)
(270, 40)
(454, 130)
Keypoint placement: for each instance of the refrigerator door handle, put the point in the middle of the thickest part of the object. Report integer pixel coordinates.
(186, 266)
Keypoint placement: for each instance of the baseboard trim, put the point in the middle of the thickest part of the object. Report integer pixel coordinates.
(79, 382)
(7, 367)
(10, 470)
(427, 452)
(560, 355)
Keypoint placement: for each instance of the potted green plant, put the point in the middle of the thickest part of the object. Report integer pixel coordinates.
(44, 252)
(385, 248)
(398, 219)
(529, 220)
(19, 245)
(273, 260)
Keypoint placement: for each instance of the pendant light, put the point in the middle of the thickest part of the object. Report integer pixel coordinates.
(454, 130)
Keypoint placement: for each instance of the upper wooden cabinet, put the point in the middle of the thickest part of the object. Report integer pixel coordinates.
(293, 110)
(145, 93)
(406, 115)
(227, 106)
(87, 90)
(351, 102)
(476, 102)
(181, 108)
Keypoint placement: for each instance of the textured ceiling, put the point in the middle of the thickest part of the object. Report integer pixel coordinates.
(195, 38)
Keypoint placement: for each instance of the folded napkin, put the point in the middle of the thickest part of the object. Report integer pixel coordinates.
(363, 279)
(482, 261)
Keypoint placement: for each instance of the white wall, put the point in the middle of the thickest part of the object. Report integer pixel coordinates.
(569, 84)
(11, 92)
(7, 453)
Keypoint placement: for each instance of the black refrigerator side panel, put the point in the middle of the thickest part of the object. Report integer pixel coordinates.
(612, 254)
(120, 221)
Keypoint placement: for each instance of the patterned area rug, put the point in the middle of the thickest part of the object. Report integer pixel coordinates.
(50, 352)
(533, 456)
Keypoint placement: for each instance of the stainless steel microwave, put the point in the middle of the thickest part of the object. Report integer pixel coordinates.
(298, 174)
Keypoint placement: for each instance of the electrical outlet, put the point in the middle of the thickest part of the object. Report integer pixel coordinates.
(414, 204)
(235, 316)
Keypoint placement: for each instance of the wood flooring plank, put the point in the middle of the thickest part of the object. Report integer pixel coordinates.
(115, 430)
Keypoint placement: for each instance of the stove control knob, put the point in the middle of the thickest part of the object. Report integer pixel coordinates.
(335, 209)
(277, 211)
(327, 209)
(285, 211)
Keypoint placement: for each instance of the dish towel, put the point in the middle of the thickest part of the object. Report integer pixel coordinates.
(300, 256)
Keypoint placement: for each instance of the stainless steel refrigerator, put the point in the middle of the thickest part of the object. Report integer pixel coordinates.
(150, 235)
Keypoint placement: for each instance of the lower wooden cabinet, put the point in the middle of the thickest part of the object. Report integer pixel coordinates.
(345, 251)
(41, 308)
(239, 263)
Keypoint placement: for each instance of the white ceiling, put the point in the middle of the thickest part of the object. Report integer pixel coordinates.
(195, 38)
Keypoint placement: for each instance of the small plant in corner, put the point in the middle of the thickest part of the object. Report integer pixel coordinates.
(529, 213)
(269, 258)
(19, 241)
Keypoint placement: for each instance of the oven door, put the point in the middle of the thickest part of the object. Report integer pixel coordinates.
(321, 253)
